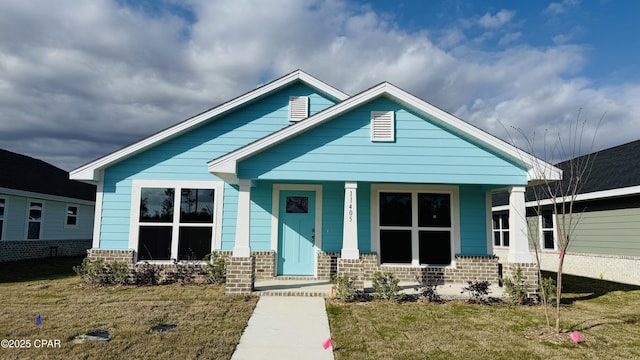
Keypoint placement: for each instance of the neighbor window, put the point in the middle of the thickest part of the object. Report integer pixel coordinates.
(175, 223)
(2, 205)
(415, 227)
(548, 230)
(34, 225)
(72, 216)
(501, 229)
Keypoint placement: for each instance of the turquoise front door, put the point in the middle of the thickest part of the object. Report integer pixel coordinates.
(296, 232)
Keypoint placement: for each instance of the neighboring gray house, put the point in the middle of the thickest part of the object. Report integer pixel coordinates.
(606, 241)
(42, 212)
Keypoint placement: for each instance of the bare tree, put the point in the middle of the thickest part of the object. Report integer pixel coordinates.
(561, 195)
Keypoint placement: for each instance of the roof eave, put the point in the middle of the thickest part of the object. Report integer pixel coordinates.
(90, 171)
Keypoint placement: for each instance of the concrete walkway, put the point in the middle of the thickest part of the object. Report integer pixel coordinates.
(286, 327)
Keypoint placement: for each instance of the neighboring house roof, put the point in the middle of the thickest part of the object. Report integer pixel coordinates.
(614, 172)
(89, 172)
(20, 172)
(225, 166)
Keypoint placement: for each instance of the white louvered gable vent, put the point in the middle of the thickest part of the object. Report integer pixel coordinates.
(298, 107)
(382, 126)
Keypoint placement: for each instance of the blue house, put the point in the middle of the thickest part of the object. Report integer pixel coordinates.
(297, 178)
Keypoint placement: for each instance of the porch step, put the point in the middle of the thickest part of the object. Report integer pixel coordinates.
(293, 286)
(298, 277)
(291, 293)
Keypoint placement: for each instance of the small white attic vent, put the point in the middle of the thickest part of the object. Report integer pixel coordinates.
(382, 126)
(298, 107)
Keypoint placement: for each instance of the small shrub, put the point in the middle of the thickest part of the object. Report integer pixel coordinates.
(95, 271)
(478, 290)
(214, 268)
(548, 285)
(345, 287)
(427, 289)
(119, 272)
(385, 286)
(146, 274)
(92, 271)
(184, 273)
(515, 288)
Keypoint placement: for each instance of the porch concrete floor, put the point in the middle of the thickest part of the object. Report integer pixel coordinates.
(322, 288)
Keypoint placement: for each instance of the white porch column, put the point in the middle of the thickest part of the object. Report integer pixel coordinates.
(242, 247)
(518, 234)
(350, 225)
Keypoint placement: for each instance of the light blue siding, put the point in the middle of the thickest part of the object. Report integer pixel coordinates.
(473, 220)
(341, 150)
(185, 157)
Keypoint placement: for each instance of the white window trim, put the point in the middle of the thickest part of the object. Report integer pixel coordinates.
(134, 222)
(275, 211)
(375, 116)
(541, 233)
(4, 219)
(298, 108)
(66, 216)
(453, 191)
(501, 230)
(41, 221)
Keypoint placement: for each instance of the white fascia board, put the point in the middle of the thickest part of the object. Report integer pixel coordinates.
(36, 195)
(220, 165)
(595, 195)
(538, 168)
(90, 170)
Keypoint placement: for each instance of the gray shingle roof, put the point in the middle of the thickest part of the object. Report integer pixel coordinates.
(613, 168)
(21, 172)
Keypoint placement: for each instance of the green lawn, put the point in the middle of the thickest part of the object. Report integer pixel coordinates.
(208, 324)
(606, 314)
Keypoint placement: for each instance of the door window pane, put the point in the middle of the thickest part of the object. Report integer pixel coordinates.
(297, 205)
(35, 211)
(154, 243)
(196, 206)
(395, 209)
(435, 247)
(156, 204)
(434, 210)
(395, 246)
(72, 215)
(194, 243)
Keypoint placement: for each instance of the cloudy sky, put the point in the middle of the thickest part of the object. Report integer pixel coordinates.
(80, 79)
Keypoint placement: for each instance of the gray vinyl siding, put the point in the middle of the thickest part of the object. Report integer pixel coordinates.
(53, 219)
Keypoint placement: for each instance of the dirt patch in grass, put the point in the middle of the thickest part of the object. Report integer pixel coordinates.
(208, 324)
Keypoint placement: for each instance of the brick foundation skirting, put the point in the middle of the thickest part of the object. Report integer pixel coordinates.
(240, 275)
(11, 250)
(353, 267)
(468, 268)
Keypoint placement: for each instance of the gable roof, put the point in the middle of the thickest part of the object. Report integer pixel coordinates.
(90, 171)
(21, 172)
(614, 172)
(226, 166)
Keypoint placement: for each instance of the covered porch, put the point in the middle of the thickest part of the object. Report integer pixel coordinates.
(319, 230)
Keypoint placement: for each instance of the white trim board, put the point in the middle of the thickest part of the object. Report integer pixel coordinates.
(88, 172)
(595, 195)
(226, 166)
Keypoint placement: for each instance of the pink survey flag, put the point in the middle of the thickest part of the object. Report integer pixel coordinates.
(327, 344)
(575, 336)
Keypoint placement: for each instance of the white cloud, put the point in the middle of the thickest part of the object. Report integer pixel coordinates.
(501, 18)
(561, 7)
(82, 79)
